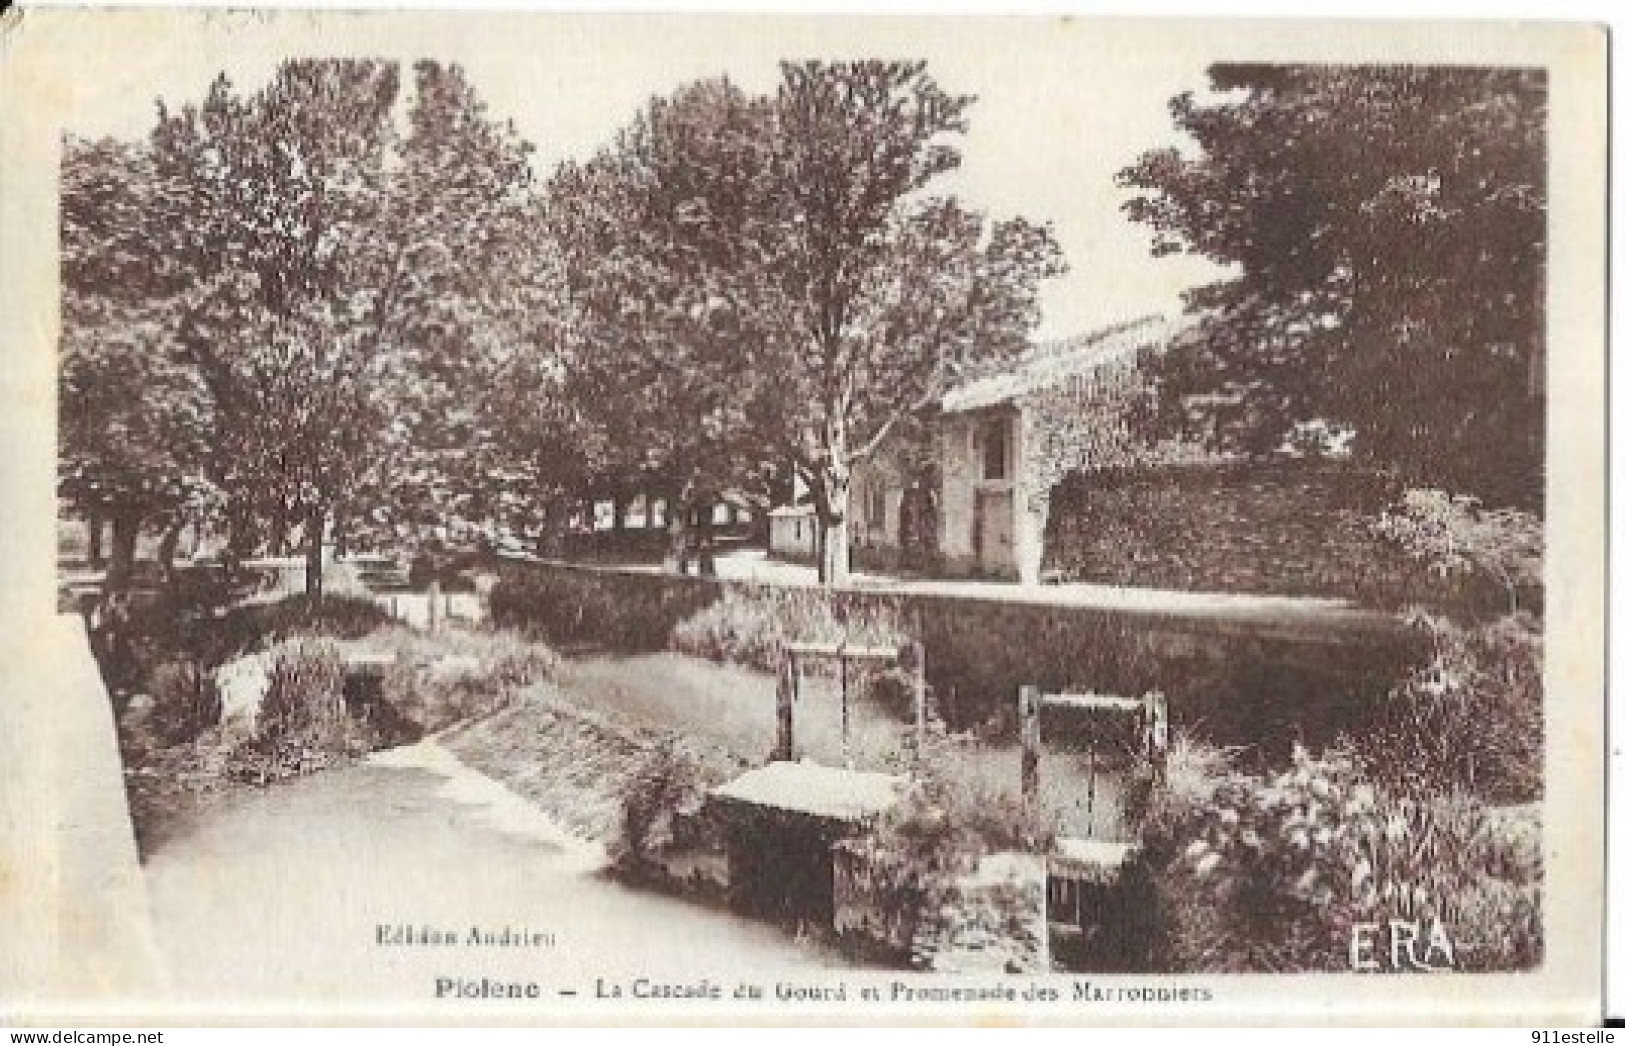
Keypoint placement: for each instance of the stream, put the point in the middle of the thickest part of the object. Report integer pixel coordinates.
(363, 885)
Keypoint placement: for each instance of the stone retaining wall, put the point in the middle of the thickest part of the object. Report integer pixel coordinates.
(1246, 678)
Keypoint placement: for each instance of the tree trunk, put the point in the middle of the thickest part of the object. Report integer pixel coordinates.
(708, 550)
(126, 528)
(834, 498)
(835, 561)
(677, 532)
(166, 549)
(549, 541)
(315, 520)
(240, 536)
(279, 530)
(93, 525)
(679, 506)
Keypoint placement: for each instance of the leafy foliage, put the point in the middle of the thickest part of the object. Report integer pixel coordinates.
(279, 299)
(136, 425)
(663, 803)
(1274, 874)
(892, 291)
(920, 850)
(1457, 536)
(1470, 718)
(771, 287)
(1386, 231)
(662, 234)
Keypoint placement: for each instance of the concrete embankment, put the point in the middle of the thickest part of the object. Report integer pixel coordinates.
(73, 898)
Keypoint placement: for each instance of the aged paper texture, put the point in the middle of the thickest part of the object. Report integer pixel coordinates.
(539, 518)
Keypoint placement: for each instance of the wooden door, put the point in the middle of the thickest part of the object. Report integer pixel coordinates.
(995, 547)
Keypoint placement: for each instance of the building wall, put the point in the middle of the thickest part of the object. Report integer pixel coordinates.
(793, 536)
(961, 440)
(959, 472)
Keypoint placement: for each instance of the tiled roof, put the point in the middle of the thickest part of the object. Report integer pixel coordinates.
(1054, 362)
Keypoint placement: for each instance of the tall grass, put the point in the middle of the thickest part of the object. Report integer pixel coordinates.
(453, 676)
(1470, 718)
(302, 726)
(749, 626)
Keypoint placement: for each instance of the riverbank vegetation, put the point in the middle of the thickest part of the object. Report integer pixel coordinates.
(259, 693)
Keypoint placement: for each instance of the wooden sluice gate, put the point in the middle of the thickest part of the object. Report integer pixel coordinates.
(785, 821)
(795, 830)
(792, 660)
(1083, 878)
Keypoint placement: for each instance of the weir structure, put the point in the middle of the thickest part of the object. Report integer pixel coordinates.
(785, 819)
(1083, 872)
(793, 827)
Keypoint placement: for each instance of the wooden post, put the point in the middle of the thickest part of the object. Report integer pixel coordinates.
(1156, 733)
(1027, 714)
(434, 607)
(846, 709)
(784, 748)
(919, 701)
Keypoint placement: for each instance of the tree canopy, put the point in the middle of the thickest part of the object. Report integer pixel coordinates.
(323, 290)
(334, 316)
(662, 235)
(1386, 231)
(769, 282)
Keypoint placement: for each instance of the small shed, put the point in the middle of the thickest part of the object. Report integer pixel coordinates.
(792, 533)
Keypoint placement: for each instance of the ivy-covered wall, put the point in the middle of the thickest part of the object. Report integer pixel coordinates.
(1291, 528)
(1086, 423)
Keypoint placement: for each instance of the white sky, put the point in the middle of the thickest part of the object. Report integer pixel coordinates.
(1061, 106)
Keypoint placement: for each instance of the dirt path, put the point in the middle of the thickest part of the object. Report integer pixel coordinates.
(277, 897)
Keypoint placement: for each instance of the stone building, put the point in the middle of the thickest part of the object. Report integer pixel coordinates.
(1002, 440)
(1006, 438)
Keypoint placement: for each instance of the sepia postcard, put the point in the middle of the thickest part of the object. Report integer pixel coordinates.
(521, 518)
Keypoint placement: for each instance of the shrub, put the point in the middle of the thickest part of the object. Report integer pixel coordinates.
(340, 617)
(184, 701)
(1192, 775)
(663, 803)
(1468, 719)
(626, 612)
(1275, 873)
(748, 626)
(1459, 540)
(211, 636)
(302, 725)
(921, 848)
(500, 665)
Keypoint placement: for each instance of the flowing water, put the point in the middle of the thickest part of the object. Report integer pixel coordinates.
(298, 895)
